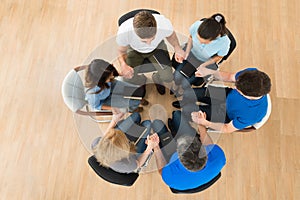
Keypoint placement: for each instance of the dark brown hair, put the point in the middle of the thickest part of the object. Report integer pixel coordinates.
(144, 24)
(97, 73)
(212, 27)
(253, 83)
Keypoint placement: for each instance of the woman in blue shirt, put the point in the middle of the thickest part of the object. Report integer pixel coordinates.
(103, 91)
(208, 43)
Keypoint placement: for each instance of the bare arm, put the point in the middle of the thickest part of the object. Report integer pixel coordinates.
(225, 76)
(179, 53)
(160, 159)
(204, 137)
(126, 70)
(188, 47)
(199, 118)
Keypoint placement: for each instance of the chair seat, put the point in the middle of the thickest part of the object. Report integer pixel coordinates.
(112, 176)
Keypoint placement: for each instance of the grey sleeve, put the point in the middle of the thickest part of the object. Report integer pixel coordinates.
(125, 165)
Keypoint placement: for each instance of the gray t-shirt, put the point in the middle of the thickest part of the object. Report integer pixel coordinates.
(125, 165)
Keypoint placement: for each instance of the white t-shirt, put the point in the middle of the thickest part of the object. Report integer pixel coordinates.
(127, 37)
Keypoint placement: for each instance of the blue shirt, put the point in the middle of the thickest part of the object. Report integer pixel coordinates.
(242, 111)
(176, 176)
(95, 99)
(204, 52)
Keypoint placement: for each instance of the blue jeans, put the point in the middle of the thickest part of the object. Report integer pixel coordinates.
(180, 125)
(135, 118)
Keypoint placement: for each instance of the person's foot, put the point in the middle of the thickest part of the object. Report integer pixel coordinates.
(171, 92)
(138, 109)
(171, 128)
(144, 102)
(176, 104)
(160, 88)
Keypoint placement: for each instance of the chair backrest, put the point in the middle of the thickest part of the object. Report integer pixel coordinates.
(232, 44)
(73, 91)
(131, 14)
(199, 188)
(112, 176)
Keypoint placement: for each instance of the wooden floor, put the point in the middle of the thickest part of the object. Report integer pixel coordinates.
(41, 154)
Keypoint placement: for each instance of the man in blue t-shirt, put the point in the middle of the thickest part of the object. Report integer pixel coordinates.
(193, 164)
(230, 109)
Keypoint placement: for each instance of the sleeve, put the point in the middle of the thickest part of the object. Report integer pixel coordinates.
(164, 24)
(126, 165)
(240, 124)
(240, 72)
(224, 47)
(194, 27)
(122, 38)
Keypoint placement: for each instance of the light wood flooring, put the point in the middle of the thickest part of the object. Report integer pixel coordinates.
(41, 154)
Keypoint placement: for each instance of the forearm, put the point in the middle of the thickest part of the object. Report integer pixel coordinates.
(141, 160)
(223, 128)
(189, 46)
(213, 60)
(173, 40)
(160, 159)
(224, 76)
(122, 54)
(204, 137)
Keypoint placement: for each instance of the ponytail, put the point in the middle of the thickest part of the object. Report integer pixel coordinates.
(212, 27)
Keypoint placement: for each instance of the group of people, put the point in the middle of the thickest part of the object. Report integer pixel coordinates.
(195, 159)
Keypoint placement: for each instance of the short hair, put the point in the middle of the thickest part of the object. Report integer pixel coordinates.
(253, 83)
(113, 147)
(212, 27)
(144, 24)
(97, 72)
(191, 153)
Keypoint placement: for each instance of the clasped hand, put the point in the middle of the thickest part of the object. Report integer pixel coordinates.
(199, 117)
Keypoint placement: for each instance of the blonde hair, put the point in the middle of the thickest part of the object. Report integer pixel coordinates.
(113, 147)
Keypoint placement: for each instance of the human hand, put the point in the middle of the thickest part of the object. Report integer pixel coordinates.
(127, 71)
(180, 55)
(152, 141)
(203, 71)
(199, 117)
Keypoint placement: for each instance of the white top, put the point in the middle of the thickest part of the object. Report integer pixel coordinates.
(127, 37)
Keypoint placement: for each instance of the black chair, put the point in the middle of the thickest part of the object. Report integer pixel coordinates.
(197, 189)
(131, 14)
(112, 176)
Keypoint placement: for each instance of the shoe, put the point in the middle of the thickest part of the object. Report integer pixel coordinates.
(176, 104)
(160, 88)
(171, 92)
(144, 102)
(171, 128)
(138, 109)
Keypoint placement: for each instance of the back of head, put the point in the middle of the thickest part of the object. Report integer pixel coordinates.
(212, 27)
(144, 24)
(112, 147)
(191, 153)
(253, 83)
(98, 72)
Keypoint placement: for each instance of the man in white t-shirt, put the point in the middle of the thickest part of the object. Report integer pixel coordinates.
(141, 37)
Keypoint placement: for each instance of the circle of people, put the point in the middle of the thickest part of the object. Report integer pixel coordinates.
(195, 159)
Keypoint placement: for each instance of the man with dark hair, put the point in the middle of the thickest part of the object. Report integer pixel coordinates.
(196, 161)
(141, 37)
(230, 109)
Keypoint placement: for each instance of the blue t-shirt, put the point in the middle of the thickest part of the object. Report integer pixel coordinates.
(176, 176)
(95, 99)
(204, 52)
(242, 111)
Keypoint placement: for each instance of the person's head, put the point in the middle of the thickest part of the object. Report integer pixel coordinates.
(113, 147)
(144, 25)
(191, 153)
(211, 28)
(253, 83)
(99, 73)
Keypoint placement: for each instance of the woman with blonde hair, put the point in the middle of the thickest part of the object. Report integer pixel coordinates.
(116, 149)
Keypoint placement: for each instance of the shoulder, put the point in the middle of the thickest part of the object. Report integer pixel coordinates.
(163, 22)
(195, 25)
